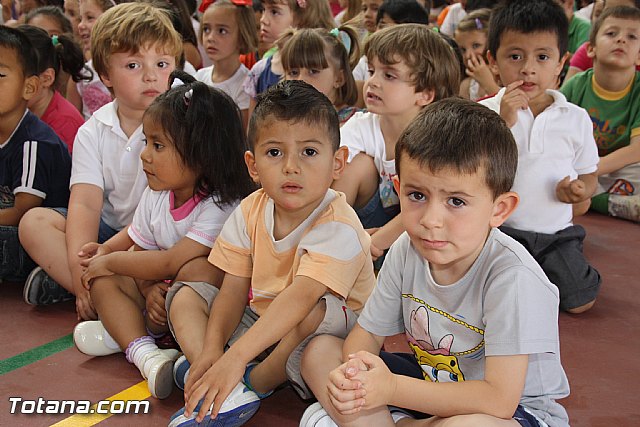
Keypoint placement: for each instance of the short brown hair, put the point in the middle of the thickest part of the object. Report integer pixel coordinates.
(246, 21)
(431, 60)
(464, 136)
(129, 26)
(620, 12)
(313, 13)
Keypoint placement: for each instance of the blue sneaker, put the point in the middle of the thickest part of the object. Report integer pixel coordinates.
(236, 410)
(180, 371)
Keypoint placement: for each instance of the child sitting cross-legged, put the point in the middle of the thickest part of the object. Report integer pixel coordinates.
(295, 247)
(477, 311)
(193, 162)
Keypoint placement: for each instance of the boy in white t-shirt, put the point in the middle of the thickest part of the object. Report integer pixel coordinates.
(107, 179)
(558, 156)
(410, 66)
(477, 311)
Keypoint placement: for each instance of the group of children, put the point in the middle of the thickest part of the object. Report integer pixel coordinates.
(245, 227)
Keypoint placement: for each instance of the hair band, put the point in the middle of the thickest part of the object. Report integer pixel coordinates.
(343, 37)
(479, 25)
(54, 40)
(206, 3)
(187, 97)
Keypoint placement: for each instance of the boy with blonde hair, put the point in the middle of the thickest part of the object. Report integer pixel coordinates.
(410, 66)
(610, 92)
(556, 164)
(134, 48)
(477, 311)
(295, 247)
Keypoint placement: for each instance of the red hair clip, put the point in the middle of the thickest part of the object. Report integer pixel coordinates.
(206, 3)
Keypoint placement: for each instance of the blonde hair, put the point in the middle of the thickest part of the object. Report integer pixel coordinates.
(478, 20)
(312, 13)
(246, 21)
(129, 26)
(311, 47)
(432, 62)
(104, 5)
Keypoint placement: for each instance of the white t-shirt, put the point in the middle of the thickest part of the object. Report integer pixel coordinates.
(158, 226)
(453, 18)
(362, 134)
(232, 86)
(557, 143)
(504, 305)
(103, 156)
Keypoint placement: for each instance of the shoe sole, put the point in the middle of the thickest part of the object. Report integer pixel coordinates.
(234, 418)
(180, 368)
(161, 384)
(27, 285)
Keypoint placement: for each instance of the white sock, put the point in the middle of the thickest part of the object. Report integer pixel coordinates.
(138, 349)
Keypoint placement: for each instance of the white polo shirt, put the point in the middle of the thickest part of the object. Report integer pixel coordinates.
(105, 157)
(557, 143)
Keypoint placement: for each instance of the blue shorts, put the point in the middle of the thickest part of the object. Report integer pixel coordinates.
(105, 232)
(406, 364)
(373, 214)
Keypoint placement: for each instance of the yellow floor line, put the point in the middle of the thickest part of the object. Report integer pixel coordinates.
(138, 391)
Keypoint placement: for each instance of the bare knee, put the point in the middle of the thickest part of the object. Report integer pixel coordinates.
(37, 221)
(186, 300)
(582, 308)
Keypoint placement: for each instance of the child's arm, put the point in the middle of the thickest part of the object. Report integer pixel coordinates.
(83, 221)
(578, 190)
(498, 394)
(119, 242)
(383, 237)
(621, 157)
(22, 203)
(146, 265)
(514, 99)
(286, 311)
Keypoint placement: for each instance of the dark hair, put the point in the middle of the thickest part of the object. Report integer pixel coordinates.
(206, 129)
(178, 11)
(403, 12)
(53, 12)
(66, 54)
(464, 136)
(12, 39)
(479, 4)
(430, 59)
(620, 12)
(295, 101)
(526, 17)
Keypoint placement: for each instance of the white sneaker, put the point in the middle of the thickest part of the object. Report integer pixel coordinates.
(89, 338)
(158, 371)
(316, 416)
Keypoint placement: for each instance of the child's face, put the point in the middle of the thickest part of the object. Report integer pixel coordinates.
(617, 43)
(47, 23)
(72, 11)
(15, 88)
(385, 22)
(138, 78)
(162, 163)
(369, 13)
(389, 90)
(472, 44)
(326, 80)
(296, 164)
(532, 58)
(89, 13)
(220, 33)
(275, 20)
(447, 215)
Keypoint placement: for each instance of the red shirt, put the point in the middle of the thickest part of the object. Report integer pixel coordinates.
(63, 118)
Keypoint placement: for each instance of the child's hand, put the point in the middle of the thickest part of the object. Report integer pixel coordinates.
(96, 267)
(378, 382)
(84, 306)
(91, 250)
(479, 70)
(346, 394)
(568, 191)
(155, 298)
(214, 387)
(514, 99)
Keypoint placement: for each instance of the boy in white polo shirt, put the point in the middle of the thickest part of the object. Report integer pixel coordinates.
(557, 155)
(134, 48)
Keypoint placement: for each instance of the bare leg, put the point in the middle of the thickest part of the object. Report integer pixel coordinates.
(322, 355)
(119, 305)
(200, 270)
(189, 314)
(272, 371)
(42, 235)
(476, 420)
(359, 180)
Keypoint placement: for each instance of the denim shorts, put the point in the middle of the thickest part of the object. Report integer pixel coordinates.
(105, 232)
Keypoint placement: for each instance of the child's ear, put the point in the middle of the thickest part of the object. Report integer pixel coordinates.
(339, 82)
(564, 59)
(503, 207)
(591, 50)
(47, 78)
(250, 161)
(493, 65)
(105, 80)
(426, 97)
(31, 86)
(340, 161)
(396, 183)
